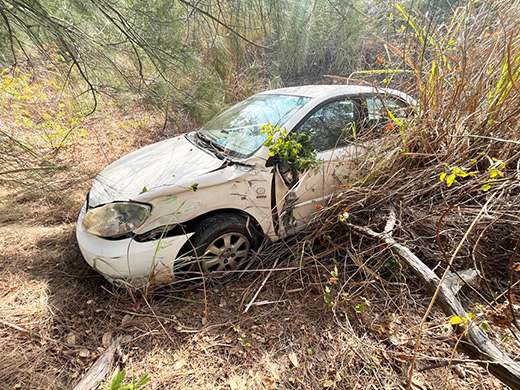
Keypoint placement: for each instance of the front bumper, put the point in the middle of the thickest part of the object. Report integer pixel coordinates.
(128, 261)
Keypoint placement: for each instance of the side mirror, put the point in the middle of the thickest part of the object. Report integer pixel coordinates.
(288, 174)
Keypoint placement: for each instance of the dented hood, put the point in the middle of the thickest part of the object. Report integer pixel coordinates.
(157, 165)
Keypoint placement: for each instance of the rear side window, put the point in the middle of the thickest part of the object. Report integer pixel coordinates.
(379, 112)
(332, 124)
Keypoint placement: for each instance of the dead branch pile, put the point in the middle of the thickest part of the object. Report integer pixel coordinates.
(452, 173)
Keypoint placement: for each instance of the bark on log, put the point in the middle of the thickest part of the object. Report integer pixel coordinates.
(476, 344)
(102, 367)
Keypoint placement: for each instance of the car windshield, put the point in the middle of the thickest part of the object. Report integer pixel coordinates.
(237, 130)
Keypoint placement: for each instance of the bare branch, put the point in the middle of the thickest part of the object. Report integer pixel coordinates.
(231, 29)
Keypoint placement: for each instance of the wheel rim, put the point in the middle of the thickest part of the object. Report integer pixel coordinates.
(226, 253)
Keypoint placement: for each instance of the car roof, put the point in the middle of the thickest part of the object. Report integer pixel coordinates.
(331, 91)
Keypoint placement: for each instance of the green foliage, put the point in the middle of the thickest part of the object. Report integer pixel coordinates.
(329, 285)
(54, 123)
(343, 216)
(332, 292)
(464, 322)
(454, 173)
(495, 171)
(117, 382)
(291, 148)
(241, 336)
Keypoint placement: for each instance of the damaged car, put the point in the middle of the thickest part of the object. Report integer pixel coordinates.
(205, 200)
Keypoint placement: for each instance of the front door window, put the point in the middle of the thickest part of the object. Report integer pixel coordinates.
(332, 125)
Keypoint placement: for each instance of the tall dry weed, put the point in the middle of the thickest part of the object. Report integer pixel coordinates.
(462, 145)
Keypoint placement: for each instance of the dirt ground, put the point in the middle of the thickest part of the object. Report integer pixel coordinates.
(57, 315)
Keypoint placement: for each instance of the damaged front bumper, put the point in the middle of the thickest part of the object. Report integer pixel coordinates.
(127, 261)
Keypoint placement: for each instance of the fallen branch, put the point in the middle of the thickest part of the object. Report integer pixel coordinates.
(475, 342)
(261, 286)
(102, 367)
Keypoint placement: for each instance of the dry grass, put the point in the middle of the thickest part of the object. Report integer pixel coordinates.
(55, 312)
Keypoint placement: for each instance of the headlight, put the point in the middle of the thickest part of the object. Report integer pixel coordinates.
(115, 219)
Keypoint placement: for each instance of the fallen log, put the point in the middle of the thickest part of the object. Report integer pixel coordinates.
(476, 343)
(103, 366)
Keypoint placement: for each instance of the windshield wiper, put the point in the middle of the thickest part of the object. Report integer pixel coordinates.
(217, 149)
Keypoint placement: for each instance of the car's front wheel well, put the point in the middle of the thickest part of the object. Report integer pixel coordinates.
(254, 228)
(250, 219)
(251, 224)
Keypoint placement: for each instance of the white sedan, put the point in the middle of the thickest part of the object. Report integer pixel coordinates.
(203, 201)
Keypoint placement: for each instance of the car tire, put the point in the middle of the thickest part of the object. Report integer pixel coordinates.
(222, 244)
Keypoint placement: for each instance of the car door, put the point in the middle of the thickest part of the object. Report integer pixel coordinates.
(332, 127)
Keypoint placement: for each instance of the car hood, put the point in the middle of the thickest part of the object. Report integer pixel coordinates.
(162, 164)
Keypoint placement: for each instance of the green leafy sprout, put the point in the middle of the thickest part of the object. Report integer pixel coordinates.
(494, 172)
(294, 149)
(117, 382)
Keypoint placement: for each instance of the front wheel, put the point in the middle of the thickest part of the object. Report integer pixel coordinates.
(222, 244)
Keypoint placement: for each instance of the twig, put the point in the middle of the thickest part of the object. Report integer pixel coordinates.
(19, 328)
(158, 321)
(510, 141)
(261, 303)
(261, 286)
